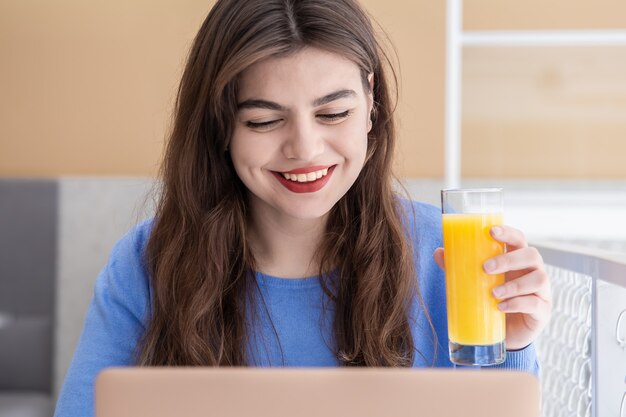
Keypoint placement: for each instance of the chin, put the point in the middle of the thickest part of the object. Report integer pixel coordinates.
(306, 211)
(309, 214)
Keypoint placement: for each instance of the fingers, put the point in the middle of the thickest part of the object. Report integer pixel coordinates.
(524, 258)
(535, 282)
(438, 257)
(535, 307)
(513, 238)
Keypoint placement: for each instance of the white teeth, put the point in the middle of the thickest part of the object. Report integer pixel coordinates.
(308, 177)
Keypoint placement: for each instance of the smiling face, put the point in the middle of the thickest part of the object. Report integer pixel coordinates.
(300, 136)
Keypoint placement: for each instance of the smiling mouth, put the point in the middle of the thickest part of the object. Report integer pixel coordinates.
(308, 177)
(305, 182)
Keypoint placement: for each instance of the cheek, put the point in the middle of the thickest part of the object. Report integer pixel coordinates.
(242, 150)
(352, 141)
(241, 155)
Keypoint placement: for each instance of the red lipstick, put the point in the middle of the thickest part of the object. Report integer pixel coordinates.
(305, 187)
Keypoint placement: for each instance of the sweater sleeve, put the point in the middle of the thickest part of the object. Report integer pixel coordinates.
(114, 323)
(521, 360)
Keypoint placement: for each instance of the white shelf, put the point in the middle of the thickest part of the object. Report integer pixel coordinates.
(543, 38)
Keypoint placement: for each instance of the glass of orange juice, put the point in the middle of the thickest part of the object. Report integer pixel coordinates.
(476, 328)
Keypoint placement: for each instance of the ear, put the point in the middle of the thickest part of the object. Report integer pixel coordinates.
(370, 101)
(370, 80)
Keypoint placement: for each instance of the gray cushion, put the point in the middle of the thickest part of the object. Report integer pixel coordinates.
(28, 223)
(28, 240)
(25, 404)
(25, 353)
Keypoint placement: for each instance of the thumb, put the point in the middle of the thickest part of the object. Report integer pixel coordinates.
(438, 257)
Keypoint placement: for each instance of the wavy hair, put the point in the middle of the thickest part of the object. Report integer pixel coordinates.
(199, 260)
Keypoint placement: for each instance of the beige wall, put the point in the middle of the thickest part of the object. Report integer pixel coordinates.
(544, 112)
(87, 87)
(417, 31)
(544, 14)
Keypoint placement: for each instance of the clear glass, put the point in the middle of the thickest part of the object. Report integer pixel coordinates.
(476, 328)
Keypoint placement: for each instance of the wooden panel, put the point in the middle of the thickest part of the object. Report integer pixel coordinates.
(87, 86)
(417, 29)
(544, 112)
(544, 14)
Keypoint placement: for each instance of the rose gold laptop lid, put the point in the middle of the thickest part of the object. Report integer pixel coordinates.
(327, 392)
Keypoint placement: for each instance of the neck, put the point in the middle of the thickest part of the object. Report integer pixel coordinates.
(284, 246)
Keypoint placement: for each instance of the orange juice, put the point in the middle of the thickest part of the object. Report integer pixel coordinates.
(473, 316)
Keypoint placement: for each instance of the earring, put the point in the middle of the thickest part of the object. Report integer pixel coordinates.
(369, 125)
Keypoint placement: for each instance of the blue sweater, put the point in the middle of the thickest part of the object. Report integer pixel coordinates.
(120, 310)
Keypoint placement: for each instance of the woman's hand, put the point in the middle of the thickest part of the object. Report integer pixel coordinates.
(525, 297)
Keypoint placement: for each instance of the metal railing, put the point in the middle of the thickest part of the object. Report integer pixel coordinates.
(583, 349)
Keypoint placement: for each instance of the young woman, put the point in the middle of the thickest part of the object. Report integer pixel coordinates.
(278, 240)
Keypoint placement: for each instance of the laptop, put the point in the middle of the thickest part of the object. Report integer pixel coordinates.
(315, 392)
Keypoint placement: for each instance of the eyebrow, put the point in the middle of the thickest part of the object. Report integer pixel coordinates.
(270, 105)
(260, 104)
(334, 96)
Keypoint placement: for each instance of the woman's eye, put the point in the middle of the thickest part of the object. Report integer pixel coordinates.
(331, 117)
(261, 125)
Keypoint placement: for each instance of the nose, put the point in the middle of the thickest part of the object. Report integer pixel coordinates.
(304, 141)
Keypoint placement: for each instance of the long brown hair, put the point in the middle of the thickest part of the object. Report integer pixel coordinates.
(198, 257)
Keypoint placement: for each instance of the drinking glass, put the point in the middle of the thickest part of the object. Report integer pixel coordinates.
(476, 328)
